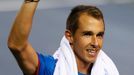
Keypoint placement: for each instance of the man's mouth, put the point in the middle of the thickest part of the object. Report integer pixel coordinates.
(92, 52)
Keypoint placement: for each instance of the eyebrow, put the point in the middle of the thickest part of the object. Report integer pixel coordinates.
(90, 32)
(87, 32)
(101, 33)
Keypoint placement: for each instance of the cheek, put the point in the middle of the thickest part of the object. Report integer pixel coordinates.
(78, 43)
(81, 43)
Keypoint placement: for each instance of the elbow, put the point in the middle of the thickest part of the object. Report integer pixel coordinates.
(14, 47)
(10, 44)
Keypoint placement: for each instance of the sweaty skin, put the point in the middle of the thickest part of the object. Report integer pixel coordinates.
(87, 41)
(18, 39)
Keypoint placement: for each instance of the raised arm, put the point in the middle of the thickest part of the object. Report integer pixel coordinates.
(18, 38)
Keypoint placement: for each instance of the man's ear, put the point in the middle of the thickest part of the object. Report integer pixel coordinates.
(69, 36)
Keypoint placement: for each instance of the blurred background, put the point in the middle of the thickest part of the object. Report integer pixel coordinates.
(49, 25)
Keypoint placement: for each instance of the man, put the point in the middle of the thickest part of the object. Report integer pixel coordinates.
(80, 50)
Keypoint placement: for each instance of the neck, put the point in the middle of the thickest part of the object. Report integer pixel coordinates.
(84, 68)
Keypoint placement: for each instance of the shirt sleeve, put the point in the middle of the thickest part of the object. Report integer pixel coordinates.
(46, 65)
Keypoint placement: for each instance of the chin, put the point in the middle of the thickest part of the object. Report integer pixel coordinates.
(92, 60)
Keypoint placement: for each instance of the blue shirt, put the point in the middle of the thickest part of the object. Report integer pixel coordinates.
(47, 65)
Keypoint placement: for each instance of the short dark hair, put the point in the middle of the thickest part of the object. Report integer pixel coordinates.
(72, 20)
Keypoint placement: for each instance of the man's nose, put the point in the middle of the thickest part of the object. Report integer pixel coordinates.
(94, 42)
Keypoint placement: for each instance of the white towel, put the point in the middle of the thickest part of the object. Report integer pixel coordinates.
(66, 64)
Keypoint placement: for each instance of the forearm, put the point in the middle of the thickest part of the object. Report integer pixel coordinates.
(22, 25)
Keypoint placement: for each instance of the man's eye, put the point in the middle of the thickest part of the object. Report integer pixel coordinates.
(87, 34)
(100, 35)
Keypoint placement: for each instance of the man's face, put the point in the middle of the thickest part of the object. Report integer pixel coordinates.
(88, 39)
